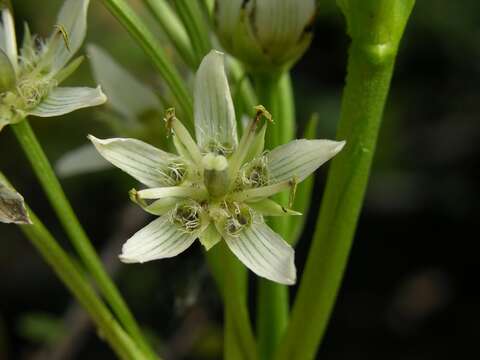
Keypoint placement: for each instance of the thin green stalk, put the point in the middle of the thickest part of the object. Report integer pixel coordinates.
(197, 28)
(272, 303)
(75, 281)
(77, 235)
(376, 28)
(239, 342)
(174, 29)
(136, 27)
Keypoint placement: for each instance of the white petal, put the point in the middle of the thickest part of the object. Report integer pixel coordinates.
(8, 42)
(299, 158)
(64, 100)
(265, 253)
(214, 113)
(126, 95)
(140, 160)
(82, 160)
(73, 18)
(159, 239)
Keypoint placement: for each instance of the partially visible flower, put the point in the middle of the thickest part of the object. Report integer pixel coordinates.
(30, 77)
(217, 187)
(133, 110)
(12, 206)
(267, 35)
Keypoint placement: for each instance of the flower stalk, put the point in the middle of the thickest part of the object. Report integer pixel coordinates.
(77, 235)
(75, 281)
(374, 26)
(273, 299)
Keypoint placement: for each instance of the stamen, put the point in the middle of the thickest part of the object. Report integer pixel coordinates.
(187, 216)
(262, 192)
(197, 193)
(238, 218)
(173, 124)
(246, 141)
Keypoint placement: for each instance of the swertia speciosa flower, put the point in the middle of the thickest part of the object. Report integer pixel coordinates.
(29, 78)
(217, 187)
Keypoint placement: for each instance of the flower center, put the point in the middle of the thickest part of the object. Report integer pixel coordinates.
(215, 174)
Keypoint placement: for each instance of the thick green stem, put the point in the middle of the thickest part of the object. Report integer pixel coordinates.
(363, 103)
(77, 235)
(239, 342)
(272, 307)
(136, 27)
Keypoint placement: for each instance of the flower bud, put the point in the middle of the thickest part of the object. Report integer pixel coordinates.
(268, 36)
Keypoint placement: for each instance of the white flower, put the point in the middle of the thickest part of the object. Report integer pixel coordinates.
(30, 78)
(217, 187)
(267, 35)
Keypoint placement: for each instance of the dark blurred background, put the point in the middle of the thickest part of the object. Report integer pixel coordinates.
(409, 291)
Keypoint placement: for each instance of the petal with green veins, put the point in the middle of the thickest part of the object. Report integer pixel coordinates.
(265, 253)
(7, 73)
(158, 240)
(82, 160)
(210, 237)
(73, 18)
(12, 207)
(64, 100)
(215, 124)
(144, 162)
(126, 94)
(9, 37)
(299, 158)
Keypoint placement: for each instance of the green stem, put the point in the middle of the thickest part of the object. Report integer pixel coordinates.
(77, 235)
(174, 29)
(193, 19)
(272, 307)
(239, 342)
(363, 103)
(75, 281)
(68, 271)
(136, 27)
